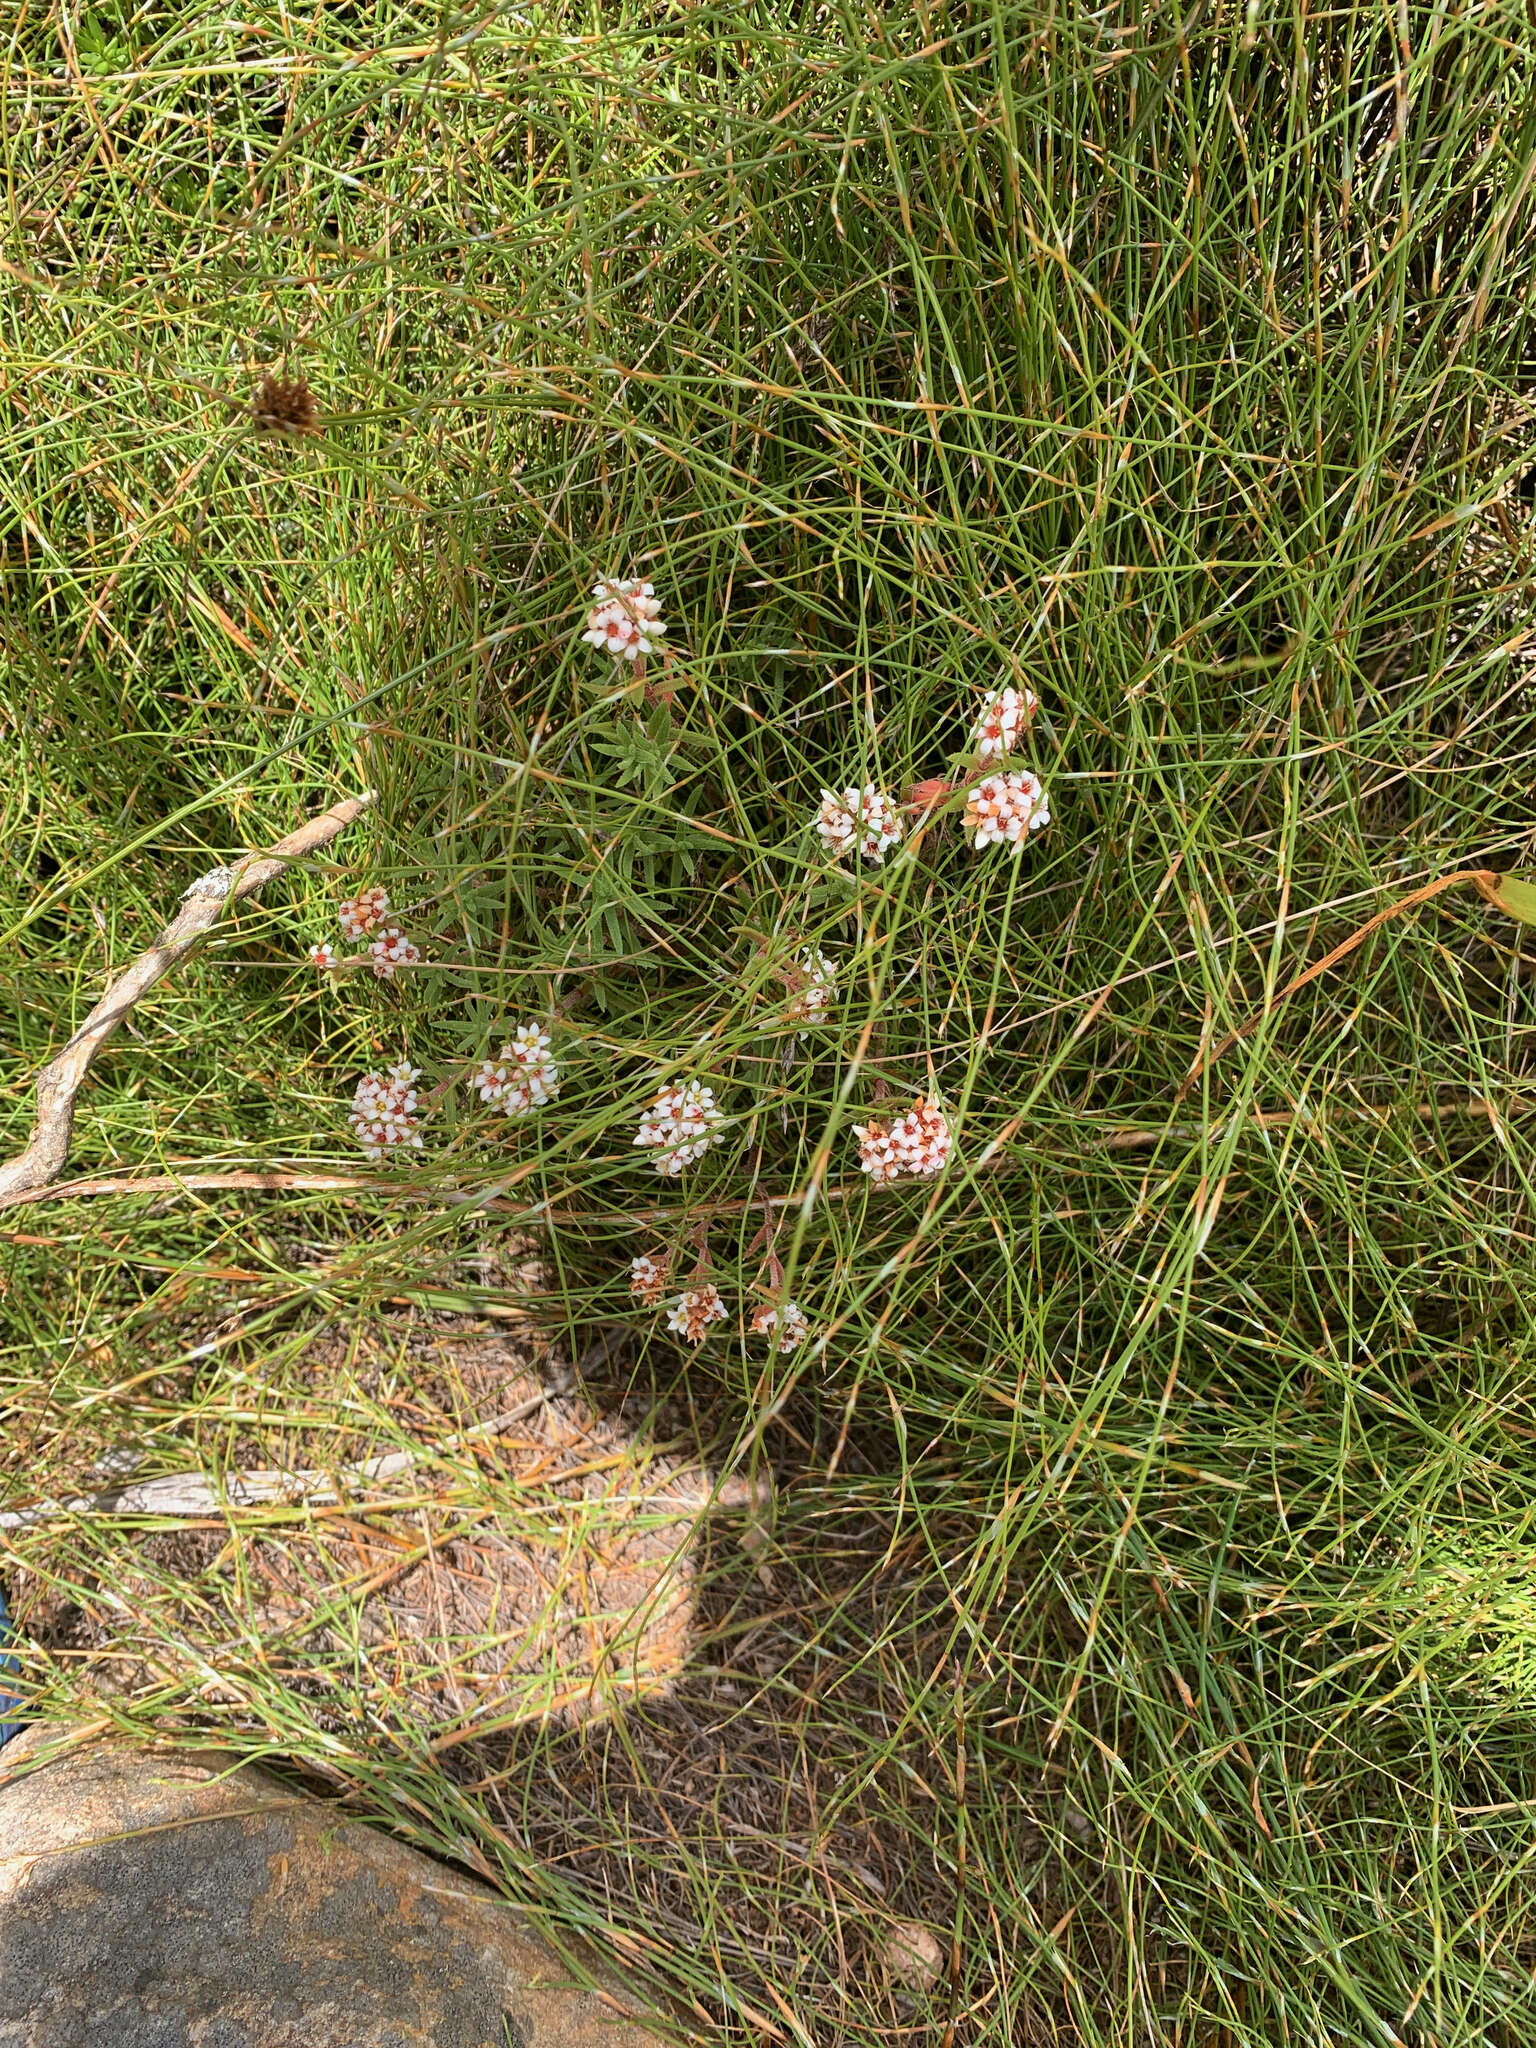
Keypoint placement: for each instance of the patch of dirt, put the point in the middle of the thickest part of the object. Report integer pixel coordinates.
(513, 1554)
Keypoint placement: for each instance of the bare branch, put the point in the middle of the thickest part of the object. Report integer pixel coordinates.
(203, 905)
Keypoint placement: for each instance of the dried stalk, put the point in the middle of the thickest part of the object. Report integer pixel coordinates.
(202, 907)
(276, 1180)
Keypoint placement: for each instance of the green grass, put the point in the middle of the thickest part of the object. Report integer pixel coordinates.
(1149, 1604)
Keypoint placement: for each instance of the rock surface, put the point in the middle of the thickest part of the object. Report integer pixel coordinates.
(149, 1900)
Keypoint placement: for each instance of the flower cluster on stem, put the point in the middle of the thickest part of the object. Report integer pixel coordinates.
(695, 1309)
(914, 1147)
(392, 949)
(785, 1323)
(524, 1078)
(360, 916)
(649, 1273)
(626, 620)
(680, 1126)
(1004, 720)
(812, 985)
(384, 1114)
(1002, 810)
(366, 916)
(858, 820)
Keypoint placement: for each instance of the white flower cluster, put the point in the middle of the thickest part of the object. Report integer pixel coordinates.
(362, 915)
(787, 1325)
(702, 1305)
(626, 621)
(812, 984)
(863, 819)
(1004, 719)
(384, 1110)
(366, 916)
(915, 1147)
(392, 949)
(648, 1276)
(524, 1078)
(694, 1310)
(1002, 810)
(680, 1126)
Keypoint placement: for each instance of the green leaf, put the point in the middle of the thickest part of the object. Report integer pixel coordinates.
(1518, 898)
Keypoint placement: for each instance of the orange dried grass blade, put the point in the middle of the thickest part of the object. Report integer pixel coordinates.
(1488, 884)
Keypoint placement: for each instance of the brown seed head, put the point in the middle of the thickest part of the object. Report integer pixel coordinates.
(284, 405)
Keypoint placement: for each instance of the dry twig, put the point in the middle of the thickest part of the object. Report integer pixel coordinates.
(202, 906)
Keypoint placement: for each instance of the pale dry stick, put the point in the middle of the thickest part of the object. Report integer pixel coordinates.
(1484, 880)
(177, 1494)
(276, 1181)
(201, 908)
(189, 1493)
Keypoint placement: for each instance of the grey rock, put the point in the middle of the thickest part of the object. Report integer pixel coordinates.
(156, 1899)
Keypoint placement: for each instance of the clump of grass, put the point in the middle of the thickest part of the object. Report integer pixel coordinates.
(1173, 368)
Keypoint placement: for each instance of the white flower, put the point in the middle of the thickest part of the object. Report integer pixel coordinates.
(812, 984)
(877, 1155)
(680, 1126)
(1004, 718)
(1002, 810)
(322, 956)
(915, 1147)
(529, 1049)
(788, 1323)
(383, 1113)
(520, 1099)
(835, 826)
(865, 819)
(922, 1138)
(626, 621)
(492, 1078)
(363, 913)
(524, 1078)
(392, 949)
(648, 1276)
(694, 1310)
